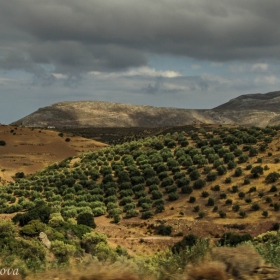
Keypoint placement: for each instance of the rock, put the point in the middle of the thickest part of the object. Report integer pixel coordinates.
(44, 239)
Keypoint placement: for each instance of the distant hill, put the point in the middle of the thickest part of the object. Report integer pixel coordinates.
(252, 109)
(269, 102)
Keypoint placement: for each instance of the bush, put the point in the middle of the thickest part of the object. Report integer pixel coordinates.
(246, 181)
(222, 214)
(163, 230)
(228, 202)
(216, 188)
(273, 189)
(238, 172)
(257, 171)
(33, 228)
(265, 213)
(173, 196)
(205, 194)
(248, 199)
(199, 184)
(211, 176)
(201, 215)
(131, 213)
(255, 207)
(40, 212)
(187, 241)
(223, 196)
(62, 251)
(187, 189)
(242, 214)
(272, 177)
(2, 143)
(232, 239)
(235, 207)
(147, 215)
(228, 180)
(192, 199)
(211, 202)
(86, 219)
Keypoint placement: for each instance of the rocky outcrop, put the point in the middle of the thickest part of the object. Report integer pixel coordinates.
(44, 239)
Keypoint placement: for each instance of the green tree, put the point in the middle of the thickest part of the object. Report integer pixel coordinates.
(86, 219)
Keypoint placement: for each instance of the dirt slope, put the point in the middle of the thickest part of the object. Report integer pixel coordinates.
(29, 150)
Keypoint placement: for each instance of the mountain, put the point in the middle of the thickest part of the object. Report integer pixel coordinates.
(251, 109)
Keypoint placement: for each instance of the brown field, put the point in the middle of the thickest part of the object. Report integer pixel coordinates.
(29, 150)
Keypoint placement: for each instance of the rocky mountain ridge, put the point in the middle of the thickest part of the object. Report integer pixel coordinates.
(251, 109)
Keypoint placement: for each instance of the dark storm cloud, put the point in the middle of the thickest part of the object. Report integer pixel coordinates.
(96, 35)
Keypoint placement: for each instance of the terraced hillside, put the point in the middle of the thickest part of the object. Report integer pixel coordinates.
(142, 197)
(224, 175)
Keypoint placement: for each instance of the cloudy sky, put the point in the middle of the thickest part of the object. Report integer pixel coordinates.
(179, 53)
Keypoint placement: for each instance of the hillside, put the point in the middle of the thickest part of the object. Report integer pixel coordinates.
(155, 178)
(29, 150)
(142, 197)
(254, 109)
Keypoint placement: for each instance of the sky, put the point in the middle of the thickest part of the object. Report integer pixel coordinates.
(194, 54)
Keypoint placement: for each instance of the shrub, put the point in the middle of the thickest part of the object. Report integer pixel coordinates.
(131, 213)
(201, 215)
(2, 143)
(205, 194)
(255, 207)
(242, 214)
(248, 199)
(216, 188)
(273, 189)
(265, 213)
(196, 208)
(147, 215)
(232, 239)
(156, 194)
(86, 219)
(40, 212)
(33, 228)
(252, 189)
(235, 207)
(211, 202)
(194, 175)
(222, 214)
(228, 202)
(211, 176)
(246, 181)
(257, 171)
(223, 196)
(187, 189)
(192, 199)
(173, 196)
(163, 230)
(238, 172)
(187, 241)
(272, 177)
(228, 180)
(199, 184)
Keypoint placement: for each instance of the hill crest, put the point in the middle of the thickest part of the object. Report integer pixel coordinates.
(251, 109)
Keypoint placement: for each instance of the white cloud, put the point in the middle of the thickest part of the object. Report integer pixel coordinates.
(270, 80)
(59, 75)
(260, 66)
(215, 78)
(196, 66)
(237, 68)
(140, 71)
